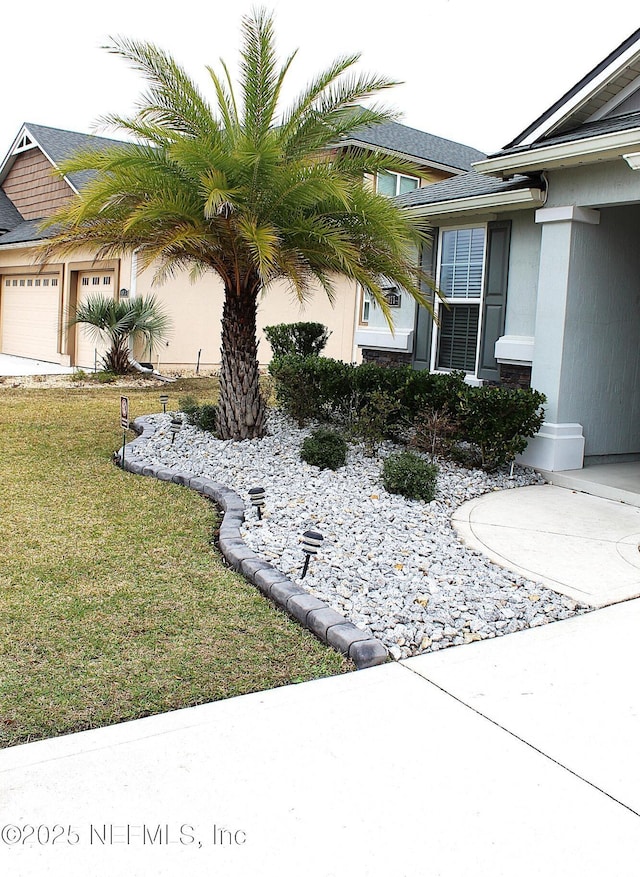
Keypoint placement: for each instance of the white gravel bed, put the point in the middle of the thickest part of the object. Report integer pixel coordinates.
(392, 566)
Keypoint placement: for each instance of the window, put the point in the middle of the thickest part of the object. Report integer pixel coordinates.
(366, 306)
(460, 279)
(392, 184)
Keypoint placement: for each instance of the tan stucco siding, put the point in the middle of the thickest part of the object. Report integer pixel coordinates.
(195, 309)
(32, 186)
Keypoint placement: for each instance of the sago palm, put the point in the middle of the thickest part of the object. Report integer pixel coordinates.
(254, 193)
(119, 322)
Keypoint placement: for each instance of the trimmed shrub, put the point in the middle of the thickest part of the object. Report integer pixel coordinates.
(324, 449)
(324, 389)
(297, 339)
(500, 421)
(410, 475)
(312, 387)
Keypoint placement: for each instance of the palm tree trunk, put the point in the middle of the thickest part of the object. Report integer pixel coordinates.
(241, 409)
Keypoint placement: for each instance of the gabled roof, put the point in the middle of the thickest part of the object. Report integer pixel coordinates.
(417, 146)
(57, 145)
(595, 94)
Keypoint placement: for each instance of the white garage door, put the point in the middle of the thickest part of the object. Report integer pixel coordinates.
(90, 350)
(31, 316)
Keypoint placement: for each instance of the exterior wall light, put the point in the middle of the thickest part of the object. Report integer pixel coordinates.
(311, 541)
(256, 495)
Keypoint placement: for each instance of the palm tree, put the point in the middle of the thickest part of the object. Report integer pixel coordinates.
(119, 322)
(252, 193)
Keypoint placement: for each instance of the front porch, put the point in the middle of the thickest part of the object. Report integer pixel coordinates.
(616, 481)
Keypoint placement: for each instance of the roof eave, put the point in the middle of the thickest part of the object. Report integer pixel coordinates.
(404, 156)
(496, 202)
(589, 150)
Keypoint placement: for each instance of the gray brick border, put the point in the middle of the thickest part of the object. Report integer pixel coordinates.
(328, 625)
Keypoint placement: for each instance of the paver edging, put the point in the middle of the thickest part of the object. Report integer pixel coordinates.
(313, 613)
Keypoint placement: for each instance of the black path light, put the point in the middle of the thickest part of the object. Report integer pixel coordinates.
(175, 427)
(256, 495)
(163, 401)
(311, 541)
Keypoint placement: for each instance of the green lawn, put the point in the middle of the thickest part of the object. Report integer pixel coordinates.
(113, 603)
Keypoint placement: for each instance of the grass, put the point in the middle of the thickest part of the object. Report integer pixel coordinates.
(113, 602)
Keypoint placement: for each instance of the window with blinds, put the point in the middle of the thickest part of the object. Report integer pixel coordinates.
(458, 338)
(460, 279)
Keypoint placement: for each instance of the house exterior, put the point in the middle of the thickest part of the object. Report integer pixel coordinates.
(537, 251)
(36, 300)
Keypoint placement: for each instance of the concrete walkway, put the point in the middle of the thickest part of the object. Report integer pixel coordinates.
(509, 756)
(19, 366)
(584, 546)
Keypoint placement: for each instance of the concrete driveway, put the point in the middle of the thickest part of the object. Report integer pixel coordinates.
(19, 366)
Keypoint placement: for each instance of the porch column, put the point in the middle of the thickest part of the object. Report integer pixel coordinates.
(559, 445)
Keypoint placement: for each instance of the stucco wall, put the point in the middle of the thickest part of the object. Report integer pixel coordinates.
(599, 381)
(524, 263)
(596, 185)
(196, 311)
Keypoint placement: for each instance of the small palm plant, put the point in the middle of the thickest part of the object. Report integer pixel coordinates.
(120, 322)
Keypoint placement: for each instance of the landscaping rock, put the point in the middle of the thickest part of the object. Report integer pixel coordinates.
(392, 567)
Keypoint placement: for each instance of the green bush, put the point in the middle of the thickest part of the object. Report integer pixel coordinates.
(410, 476)
(204, 417)
(188, 404)
(324, 449)
(312, 387)
(298, 339)
(328, 390)
(500, 421)
(374, 420)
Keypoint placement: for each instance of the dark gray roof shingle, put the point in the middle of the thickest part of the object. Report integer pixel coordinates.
(464, 186)
(28, 231)
(418, 144)
(10, 217)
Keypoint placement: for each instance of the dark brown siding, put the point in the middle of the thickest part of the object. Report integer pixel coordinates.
(33, 187)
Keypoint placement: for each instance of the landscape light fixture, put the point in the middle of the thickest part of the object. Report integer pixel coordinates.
(311, 541)
(256, 495)
(175, 427)
(163, 401)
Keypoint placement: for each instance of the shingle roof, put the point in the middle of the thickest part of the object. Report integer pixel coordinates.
(419, 144)
(9, 215)
(29, 230)
(60, 144)
(463, 186)
(610, 125)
